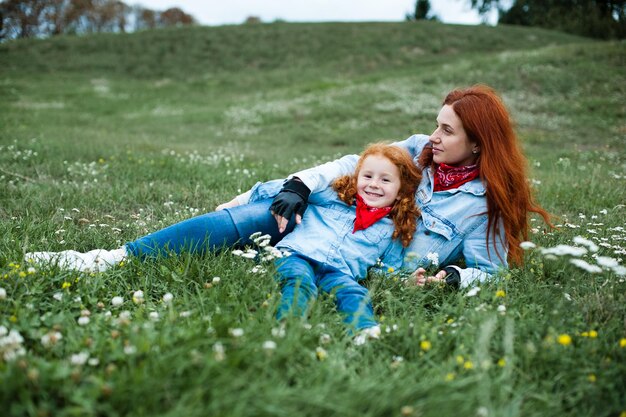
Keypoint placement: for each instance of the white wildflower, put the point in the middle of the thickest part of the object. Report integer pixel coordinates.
(138, 297)
(586, 242)
(269, 345)
(117, 301)
(594, 269)
(130, 349)
(237, 332)
(216, 280)
(502, 309)
(473, 292)
(79, 358)
(3, 294)
(219, 353)
(527, 245)
(433, 257)
(561, 250)
(93, 361)
(154, 316)
(607, 262)
(168, 297)
(58, 296)
(185, 314)
(83, 320)
(237, 252)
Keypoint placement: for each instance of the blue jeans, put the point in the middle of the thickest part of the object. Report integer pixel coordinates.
(211, 231)
(300, 279)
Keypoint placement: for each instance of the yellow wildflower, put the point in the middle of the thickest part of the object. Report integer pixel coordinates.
(66, 285)
(425, 345)
(500, 293)
(390, 269)
(622, 344)
(460, 359)
(13, 319)
(321, 353)
(468, 365)
(22, 274)
(564, 339)
(450, 376)
(593, 334)
(592, 378)
(501, 362)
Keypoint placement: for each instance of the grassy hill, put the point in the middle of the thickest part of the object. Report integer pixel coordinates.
(105, 138)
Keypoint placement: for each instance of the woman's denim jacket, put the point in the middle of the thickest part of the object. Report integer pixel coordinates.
(325, 234)
(453, 224)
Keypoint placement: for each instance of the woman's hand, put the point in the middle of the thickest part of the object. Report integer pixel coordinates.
(230, 204)
(420, 279)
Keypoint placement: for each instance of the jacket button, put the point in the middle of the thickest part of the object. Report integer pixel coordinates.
(427, 232)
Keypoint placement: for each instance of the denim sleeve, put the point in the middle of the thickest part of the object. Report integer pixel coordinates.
(482, 259)
(320, 177)
(414, 144)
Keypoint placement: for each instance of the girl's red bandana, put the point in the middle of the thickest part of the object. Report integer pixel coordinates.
(448, 177)
(366, 215)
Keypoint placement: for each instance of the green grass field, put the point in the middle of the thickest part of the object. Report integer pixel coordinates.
(105, 138)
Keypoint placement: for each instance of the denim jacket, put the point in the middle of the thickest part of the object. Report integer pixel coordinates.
(453, 224)
(325, 234)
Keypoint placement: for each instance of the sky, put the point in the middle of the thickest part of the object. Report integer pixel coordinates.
(225, 12)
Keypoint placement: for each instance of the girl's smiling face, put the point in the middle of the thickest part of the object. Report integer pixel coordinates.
(378, 181)
(451, 146)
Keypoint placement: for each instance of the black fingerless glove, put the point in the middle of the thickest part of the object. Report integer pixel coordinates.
(292, 199)
(453, 278)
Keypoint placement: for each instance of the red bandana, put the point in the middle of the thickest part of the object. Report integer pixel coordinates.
(447, 177)
(366, 215)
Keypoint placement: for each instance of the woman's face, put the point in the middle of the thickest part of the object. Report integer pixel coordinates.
(451, 145)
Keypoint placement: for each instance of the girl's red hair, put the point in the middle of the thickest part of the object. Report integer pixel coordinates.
(501, 162)
(404, 212)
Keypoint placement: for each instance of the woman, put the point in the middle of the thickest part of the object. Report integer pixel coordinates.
(474, 198)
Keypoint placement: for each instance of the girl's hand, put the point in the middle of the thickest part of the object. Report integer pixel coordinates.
(420, 279)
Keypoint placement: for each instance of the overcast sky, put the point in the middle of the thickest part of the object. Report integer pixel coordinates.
(222, 12)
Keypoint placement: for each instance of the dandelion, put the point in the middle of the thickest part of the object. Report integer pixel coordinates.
(500, 293)
(390, 270)
(138, 297)
(79, 358)
(564, 339)
(321, 353)
(117, 301)
(167, 298)
(622, 342)
(468, 365)
(425, 345)
(592, 269)
(50, 339)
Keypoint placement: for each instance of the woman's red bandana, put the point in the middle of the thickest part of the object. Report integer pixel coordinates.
(448, 177)
(366, 215)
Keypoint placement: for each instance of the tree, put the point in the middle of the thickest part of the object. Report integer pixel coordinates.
(594, 18)
(422, 11)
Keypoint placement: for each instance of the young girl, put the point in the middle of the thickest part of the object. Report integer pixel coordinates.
(363, 217)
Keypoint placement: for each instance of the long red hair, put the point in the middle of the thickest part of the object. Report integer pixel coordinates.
(404, 212)
(501, 163)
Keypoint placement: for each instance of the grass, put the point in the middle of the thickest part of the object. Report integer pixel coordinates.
(106, 138)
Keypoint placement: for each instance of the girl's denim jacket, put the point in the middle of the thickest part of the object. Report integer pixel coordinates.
(325, 234)
(453, 225)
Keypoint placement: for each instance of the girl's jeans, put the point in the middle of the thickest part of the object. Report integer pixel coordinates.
(211, 231)
(300, 278)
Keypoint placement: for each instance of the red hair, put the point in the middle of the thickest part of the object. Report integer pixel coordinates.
(501, 163)
(404, 212)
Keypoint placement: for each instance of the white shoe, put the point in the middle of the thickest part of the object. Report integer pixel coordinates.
(97, 260)
(367, 334)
